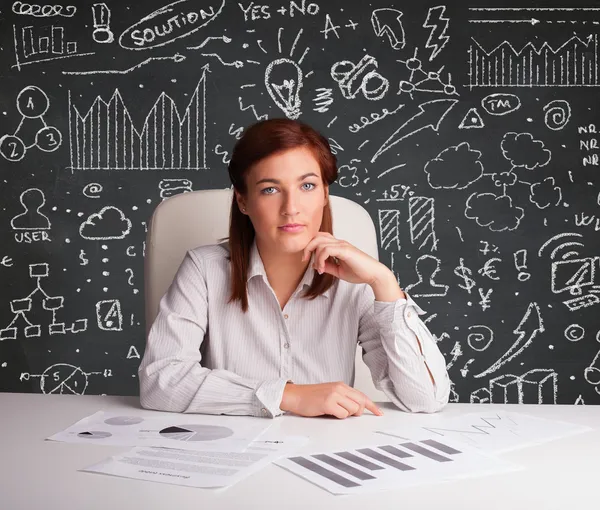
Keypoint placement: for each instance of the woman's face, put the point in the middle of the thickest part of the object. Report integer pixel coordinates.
(285, 188)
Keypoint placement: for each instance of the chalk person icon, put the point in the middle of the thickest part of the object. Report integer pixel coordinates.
(31, 221)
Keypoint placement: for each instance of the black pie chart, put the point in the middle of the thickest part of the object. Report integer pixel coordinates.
(196, 432)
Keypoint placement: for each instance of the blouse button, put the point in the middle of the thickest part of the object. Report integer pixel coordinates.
(286, 316)
(286, 345)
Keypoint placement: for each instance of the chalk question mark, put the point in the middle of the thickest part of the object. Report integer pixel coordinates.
(130, 276)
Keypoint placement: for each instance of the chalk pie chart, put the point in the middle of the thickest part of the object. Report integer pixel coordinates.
(196, 432)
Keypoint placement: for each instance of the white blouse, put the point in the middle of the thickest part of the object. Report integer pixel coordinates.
(206, 356)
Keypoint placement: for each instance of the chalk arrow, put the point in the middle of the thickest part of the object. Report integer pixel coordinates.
(387, 22)
(533, 21)
(531, 324)
(430, 115)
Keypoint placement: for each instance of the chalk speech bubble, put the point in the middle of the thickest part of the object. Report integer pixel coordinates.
(500, 104)
(171, 22)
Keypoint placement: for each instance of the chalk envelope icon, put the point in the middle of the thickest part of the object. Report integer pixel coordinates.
(171, 22)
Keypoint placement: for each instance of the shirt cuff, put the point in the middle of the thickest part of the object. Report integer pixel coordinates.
(387, 311)
(269, 395)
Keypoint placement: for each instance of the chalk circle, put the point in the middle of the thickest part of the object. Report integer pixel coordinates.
(574, 333)
(123, 420)
(32, 102)
(196, 432)
(48, 139)
(94, 434)
(12, 148)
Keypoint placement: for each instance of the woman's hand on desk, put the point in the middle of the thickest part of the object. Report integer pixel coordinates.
(334, 398)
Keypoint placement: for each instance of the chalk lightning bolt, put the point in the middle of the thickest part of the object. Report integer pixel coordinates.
(438, 25)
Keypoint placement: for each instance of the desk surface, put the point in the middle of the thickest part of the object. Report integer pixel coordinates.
(38, 474)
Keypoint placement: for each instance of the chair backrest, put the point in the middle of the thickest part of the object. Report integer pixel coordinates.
(187, 220)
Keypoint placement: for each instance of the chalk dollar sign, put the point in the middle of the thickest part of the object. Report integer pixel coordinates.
(465, 274)
(84, 261)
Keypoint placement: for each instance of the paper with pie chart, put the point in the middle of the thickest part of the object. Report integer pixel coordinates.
(168, 430)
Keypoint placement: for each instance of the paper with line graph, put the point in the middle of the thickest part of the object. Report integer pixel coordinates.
(493, 432)
(396, 464)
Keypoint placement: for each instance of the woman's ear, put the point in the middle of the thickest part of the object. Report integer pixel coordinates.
(239, 200)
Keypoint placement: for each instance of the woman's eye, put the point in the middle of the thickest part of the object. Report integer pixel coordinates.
(265, 190)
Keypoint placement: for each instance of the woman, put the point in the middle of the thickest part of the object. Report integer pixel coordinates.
(237, 332)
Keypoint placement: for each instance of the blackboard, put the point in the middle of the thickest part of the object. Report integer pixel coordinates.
(469, 133)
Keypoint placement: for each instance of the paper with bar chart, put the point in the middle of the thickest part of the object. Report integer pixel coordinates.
(493, 432)
(393, 465)
(197, 432)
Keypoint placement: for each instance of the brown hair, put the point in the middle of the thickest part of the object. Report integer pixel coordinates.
(259, 141)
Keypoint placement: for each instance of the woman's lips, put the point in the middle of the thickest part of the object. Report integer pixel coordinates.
(296, 228)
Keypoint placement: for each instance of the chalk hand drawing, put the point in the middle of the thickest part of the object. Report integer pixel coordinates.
(387, 22)
(534, 65)
(177, 58)
(92, 190)
(537, 386)
(429, 82)
(389, 228)
(494, 212)
(32, 201)
(101, 15)
(348, 174)
(43, 11)
(429, 266)
(170, 187)
(520, 258)
(504, 179)
(431, 115)
(439, 25)
(108, 315)
(323, 99)
(558, 114)
(169, 23)
(22, 307)
(572, 272)
(63, 378)
(109, 223)
(500, 104)
(32, 104)
(283, 80)
(464, 273)
(375, 117)
(480, 339)
(530, 326)
(574, 333)
(472, 120)
(523, 151)
(442, 170)
(362, 77)
(489, 269)
(421, 218)
(167, 139)
(545, 193)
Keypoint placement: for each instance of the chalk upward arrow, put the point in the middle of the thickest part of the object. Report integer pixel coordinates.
(430, 115)
(531, 324)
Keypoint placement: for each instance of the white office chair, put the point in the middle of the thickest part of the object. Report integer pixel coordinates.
(197, 218)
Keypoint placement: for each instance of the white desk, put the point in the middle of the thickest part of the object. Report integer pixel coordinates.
(42, 475)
